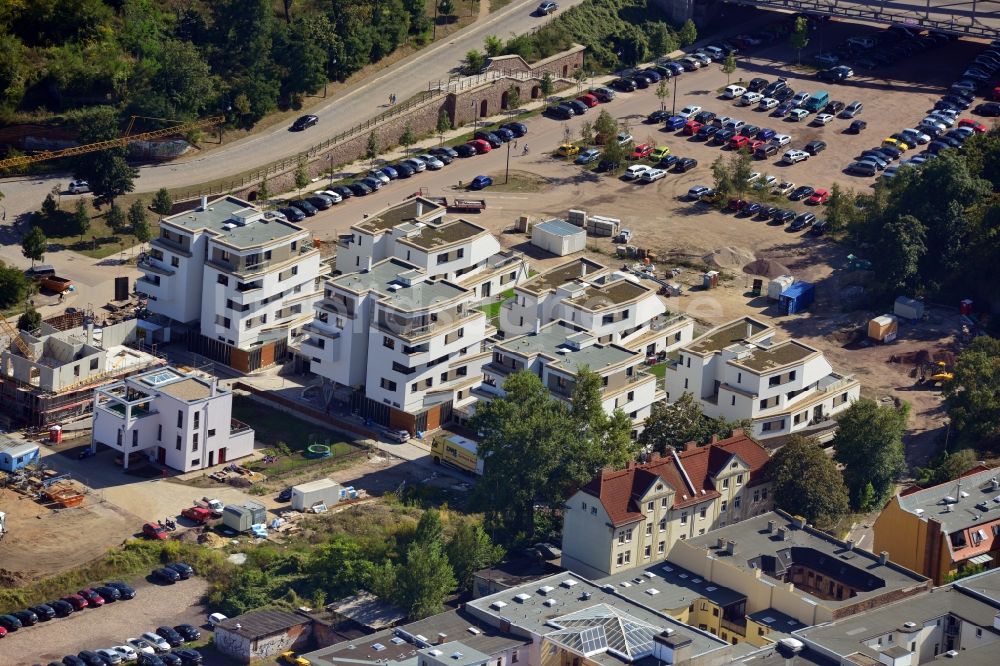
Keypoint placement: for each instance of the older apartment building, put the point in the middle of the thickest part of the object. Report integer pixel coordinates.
(629, 518)
(410, 348)
(612, 306)
(417, 232)
(739, 371)
(944, 529)
(556, 353)
(245, 281)
(179, 419)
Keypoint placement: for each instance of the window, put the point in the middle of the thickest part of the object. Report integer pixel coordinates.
(683, 537)
(387, 384)
(514, 657)
(630, 397)
(159, 432)
(663, 503)
(791, 376)
(593, 510)
(737, 501)
(649, 506)
(756, 495)
(135, 438)
(620, 560)
(442, 258)
(763, 494)
(723, 506)
(702, 513)
(584, 506)
(979, 632)
(663, 524)
(93, 364)
(725, 483)
(628, 557)
(76, 370)
(715, 612)
(222, 279)
(197, 419)
(194, 442)
(647, 552)
(739, 479)
(211, 433)
(175, 262)
(732, 400)
(196, 462)
(661, 547)
(685, 382)
(180, 419)
(739, 377)
(684, 517)
(178, 444)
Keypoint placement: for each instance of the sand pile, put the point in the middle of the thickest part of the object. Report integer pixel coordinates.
(211, 540)
(766, 268)
(728, 257)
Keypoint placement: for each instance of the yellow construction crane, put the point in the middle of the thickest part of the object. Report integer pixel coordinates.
(120, 142)
(15, 336)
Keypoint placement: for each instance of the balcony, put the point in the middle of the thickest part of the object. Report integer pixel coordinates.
(661, 322)
(237, 427)
(170, 246)
(735, 627)
(410, 333)
(148, 265)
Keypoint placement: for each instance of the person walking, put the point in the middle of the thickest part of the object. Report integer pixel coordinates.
(525, 152)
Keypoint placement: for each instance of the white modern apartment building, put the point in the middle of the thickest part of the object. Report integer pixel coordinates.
(739, 371)
(246, 279)
(410, 347)
(557, 351)
(416, 232)
(177, 419)
(612, 306)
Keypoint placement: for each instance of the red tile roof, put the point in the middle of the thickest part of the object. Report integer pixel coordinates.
(619, 490)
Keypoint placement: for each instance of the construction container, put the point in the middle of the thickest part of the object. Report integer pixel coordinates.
(523, 224)
(558, 237)
(598, 225)
(306, 495)
(710, 280)
(797, 297)
(577, 218)
(908, 308)
(884, 328)
(241, 518)
(778, 285)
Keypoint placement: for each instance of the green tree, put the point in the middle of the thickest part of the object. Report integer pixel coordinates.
(740, 167)
(340, 566)
(972, 397)
(671, 426)
(662, 93)
(14, 286)
(470, 550)
(901, 248)
(407, 138)
(50, 209)
(841, 209)
(301, 175)
(372, 149)
(493, 46)
(808, 483)
(688, 33)
(869, 444)
(946, 466)
(580, 76)
(446, 8)
(180, 83)
(728, 66)
(263, 191)
(474, 62)
(137, 216)
(661, 40)
(425, 580)
(546, 84)
(107, 171)
(162, 202)
(443, 125)
(605, 128)
(429, 528)
(115, 219)
(799, 37)
(81, 218)
(587, 132)
(614, 153)
(34, 245)
(722, 177)
(30, 320)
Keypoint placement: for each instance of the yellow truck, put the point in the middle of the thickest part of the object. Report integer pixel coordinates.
(457, 452)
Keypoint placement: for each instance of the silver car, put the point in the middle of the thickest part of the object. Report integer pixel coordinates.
(432, 162)
(417, 164)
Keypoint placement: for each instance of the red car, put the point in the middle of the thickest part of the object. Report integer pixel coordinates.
(154, 531)
(197, 514)
(588, 99)
(735, 205)
(76, 601)
(691, 127)
(642, 150)
(755, 144)
(94, 600)
(481, 145)
(820, 196)
(739, 141)
(3, 632)
(976, 126)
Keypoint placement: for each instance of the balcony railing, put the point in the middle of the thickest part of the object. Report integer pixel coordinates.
(737, 627)
(147, 265)
(237, 427)
(661, 322)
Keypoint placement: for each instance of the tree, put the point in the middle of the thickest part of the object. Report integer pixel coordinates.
(107, 171)
(513, 99)
(723, 179)
(50, 209)
(799, 37)
(474, 62)
(605, 128)
(372, 149)
(546, 84)
(662, 93)
(407, 138)
(137, 216)
(446, 8)
(425, 580)
(614, 153)
(946, 466)
(740, 168)
(469, 550)
(30, 320)
(34, 245)
(14, 286)
(587, 132)
(869, 444)
(661, 40)
(162, 202)
(429, 528)
(972, 397)
(841, 208)
(688, 33)
(301, 175)
(580, 76)
(901, 247)
(671, 426)
(728, 66)
(443, 125)
(808, 483)
(493, 46)
(115, 219)
(263, 191)
(81, 219)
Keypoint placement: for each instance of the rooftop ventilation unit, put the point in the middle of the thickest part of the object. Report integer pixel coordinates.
(569, 582)
(608, 587)
(649, 574)
(474, 631)
(909, 625)
(497, 605)
(378, 647)
(652, 591)
(585, 596)
(545, 589)
(521, 598)
(457, 655)
(625, 583)
(550, 602)
(435, 652)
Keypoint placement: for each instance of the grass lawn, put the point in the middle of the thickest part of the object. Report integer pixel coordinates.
(659, 370)
(520, 181)
(99, 241)
(492, 310)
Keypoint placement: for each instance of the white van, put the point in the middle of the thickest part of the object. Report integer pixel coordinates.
(863, 42)
(734, 91)
(215, 618)
(750, 98)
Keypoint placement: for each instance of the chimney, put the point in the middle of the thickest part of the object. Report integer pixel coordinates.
(781, 533)
(996, 483)
(730, 547)
(204, 202)
(849, 545)
(538, 326)
(420, 207)
(883, 557)
(212, 387)
(441, 639)
(799, 522)
(368, 264)
(90, 332)
(722, 543)
(715, 439)
(749, 329)
(770, 527)
(690, 446)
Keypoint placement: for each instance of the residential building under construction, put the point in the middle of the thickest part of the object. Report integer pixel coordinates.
(49, 377)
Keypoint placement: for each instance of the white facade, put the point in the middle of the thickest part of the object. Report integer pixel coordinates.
(411, 343)
(245, 276)
(612, 306)
(181, 420)
(738, 371)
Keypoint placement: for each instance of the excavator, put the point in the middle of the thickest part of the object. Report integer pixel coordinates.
(936, 372)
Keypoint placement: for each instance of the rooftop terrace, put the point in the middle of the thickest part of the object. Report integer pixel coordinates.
(764, 359)
(552, 341)
(384, 279)
(223, 219)
(561, 275)
(618, 292)
(721, 337)
(411, 210)
(431, 237)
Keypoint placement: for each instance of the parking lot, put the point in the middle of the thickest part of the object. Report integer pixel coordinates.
(112, 624)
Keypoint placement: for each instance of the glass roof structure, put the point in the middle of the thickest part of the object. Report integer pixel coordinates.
(602, 628)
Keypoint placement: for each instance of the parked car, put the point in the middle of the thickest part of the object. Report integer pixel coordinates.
(336, 198)
(802, 221)
(321, 203)
(689, 111)
(519, 130)
(651, 175)
(305, 207)
(185, 570)
(481, 147)
(794, 156)
(480, 183)
(659, 152)
(94, 600)
(76, 601)
(588, 156)
(634, 171)
(126, 652)
(109, 656)
(43, 612)
(642, 151)
(588, 100)
(857, 127)
(27, 617)
(815, 146)
(78, 187)
(170, 636)
(765, 151)
(801, 192)
(546, 8)
(697, 192)
(852, 110)
(188, 632)
(757, 84)
(10, 623)
(668, 161)
(685, 164)
(90, 658)
(783, 188)
(141, 646)
(189, 657)
(674, 123)
(61, 607)
(345, 192)
(657, 116)
(165, 575)
(783, 217)
(623, 85)
(214, 619)
(818, 197)
(567, 150)
(292, 214)
(304, 123)
(158, 642)
(560, 112)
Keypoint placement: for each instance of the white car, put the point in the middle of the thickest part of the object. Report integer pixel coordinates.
(689, 111)
(916, 135)
(333, 196)
(823, 119)
(139, 645)
(377, 175)
(784, 187)
(215, 619)
(946, 120)
(417, 164)
(934, 124)
(798, 115)
(781, 139)
(766, 182)
(79, 187)
(126, 652)
(733, 91)
(635, 171)
(799, 98)
(433, 163)
(157, 641)
(109, 656)
(625, 138)
(650, 175)
(767, 104)
(795, 156)
(750, 98)
(753, 176)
